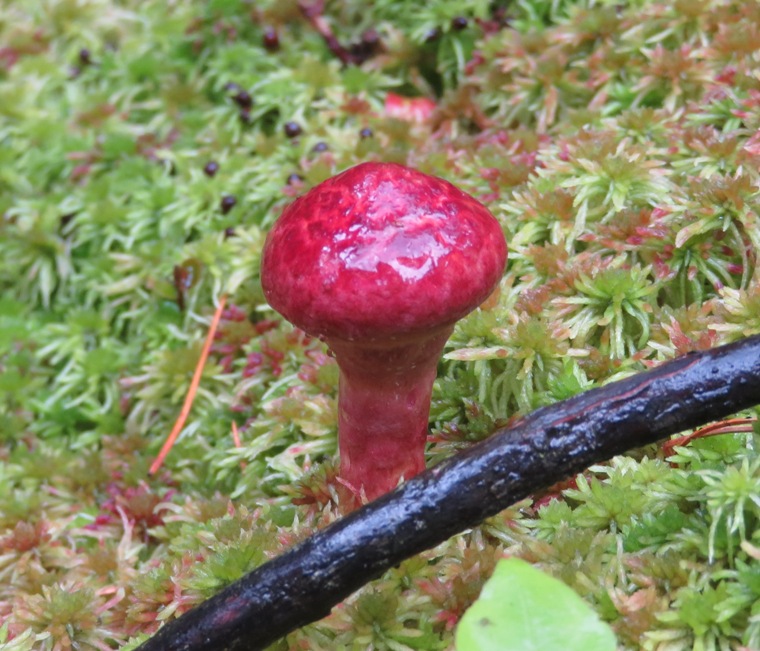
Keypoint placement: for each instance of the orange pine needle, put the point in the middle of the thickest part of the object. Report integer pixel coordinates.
(236, 435)
(195, 382)
(728, 426)
(236, 440)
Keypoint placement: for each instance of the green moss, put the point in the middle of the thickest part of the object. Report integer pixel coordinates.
(616, 145)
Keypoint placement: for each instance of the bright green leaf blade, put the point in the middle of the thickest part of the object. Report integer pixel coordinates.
(522, 609)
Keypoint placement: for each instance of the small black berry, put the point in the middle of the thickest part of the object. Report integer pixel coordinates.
(292, 129)
(228, 203)
(271, 39)
(243, 99)
(433, 35)
(459, 23)
(229, 232)
(365, 133)
(211, 168)
(371, 38)
(85, 58)
(320, 147)
(369, 46)
(294, 178)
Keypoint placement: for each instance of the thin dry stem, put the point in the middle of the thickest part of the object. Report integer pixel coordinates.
(180, 422)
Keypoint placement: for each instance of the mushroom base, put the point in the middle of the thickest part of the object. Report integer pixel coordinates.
(384, 406)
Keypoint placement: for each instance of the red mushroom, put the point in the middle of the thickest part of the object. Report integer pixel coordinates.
(380, 262)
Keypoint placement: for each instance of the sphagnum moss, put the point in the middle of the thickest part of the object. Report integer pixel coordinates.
(618, 148)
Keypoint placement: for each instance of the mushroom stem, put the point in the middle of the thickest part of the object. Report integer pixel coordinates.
(383, 407)
(379, 262)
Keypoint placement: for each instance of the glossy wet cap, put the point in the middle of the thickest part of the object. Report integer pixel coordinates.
(380, 252)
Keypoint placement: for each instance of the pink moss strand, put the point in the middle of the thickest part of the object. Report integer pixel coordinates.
(384, 406)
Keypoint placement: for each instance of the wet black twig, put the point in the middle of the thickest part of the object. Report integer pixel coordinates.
(550, 444)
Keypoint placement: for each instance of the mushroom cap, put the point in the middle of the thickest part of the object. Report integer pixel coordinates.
(381, 252)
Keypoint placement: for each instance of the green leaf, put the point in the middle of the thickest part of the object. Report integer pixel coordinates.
(522, 609)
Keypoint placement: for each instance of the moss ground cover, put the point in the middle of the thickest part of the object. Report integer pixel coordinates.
(145, 150)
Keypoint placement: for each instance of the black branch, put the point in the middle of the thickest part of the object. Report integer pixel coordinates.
(548, 445)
